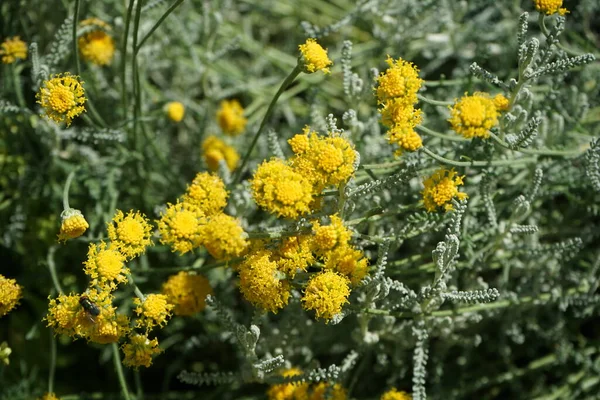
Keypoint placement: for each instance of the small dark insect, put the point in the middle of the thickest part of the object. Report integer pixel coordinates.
(89, 306)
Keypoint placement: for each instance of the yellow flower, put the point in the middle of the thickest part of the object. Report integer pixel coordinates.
(175, 111)
(349, 262)
(338, 392)
(109, 327)
(180, 227)
(105, 266)
(73, 225)
(97, 47)
(313, 57)
(440, 188)
(395, 112)
(207, 192)
(260, 282)
(153, 311)
(13, 48)
(62, 97)
(223, 237)
(289, 391)
(294, 254)
(5, 353)
(329, 237)
(550, 6)
(49, 396)
(187, 292)
(215, 150)
(474, 115)
(63, 313)
(325, 161)
(95, 22)
(280, 190)
(405, 137)
(10, 294)
(140, 350)
(400, 81)
(130, 233)
(394, 394)
(500, 102)
(231, 117)
(326, 293)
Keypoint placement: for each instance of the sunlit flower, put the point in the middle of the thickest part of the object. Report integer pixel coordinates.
(405, 137)
(261, 283)
(140, 350)
(500, 102)
(400, 81)
(63, 314)
(73, 225)
(328, 237)
(187, 292)
(223, 237)
(395, 112)
(13, 48)
(473, 116)
(394, 394)
(550, 7)
(10, 294)
(96, 46)
(326, 293)
(207, 192)
(289, 391)
(215, 150)
(175, 111)
(313, 57)
(153, 311)
(349, 262)
(130, 233)
(62, 97)
(294, 255)
(180, 226)
(279, 189)
(231, 117)
(440, 188)
(320, 390)
(109, 327)
(105, 266)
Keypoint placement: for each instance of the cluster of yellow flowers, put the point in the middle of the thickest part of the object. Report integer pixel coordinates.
(215, 150)
(474, 116)
(550, 7)
(12, 49)
(10, 294)
(397, 95)
(231, 117)
(313, 57)
(96, 46)
(62, 97)
(303, 390)
(441, 188)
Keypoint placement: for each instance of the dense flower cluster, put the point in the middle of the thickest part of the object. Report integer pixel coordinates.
(12, 49)
(231, 117)
(394, 394)
(473, 116)
(96, 45)
(214, 150)
(10, 294)
(550, 7)
(397, 95)
(62, 97)
(187, 292)
(313, 57)
(140, 350)
(130, 233)
(441, 188)
(289, 391)
(153, 310)
(73, 225)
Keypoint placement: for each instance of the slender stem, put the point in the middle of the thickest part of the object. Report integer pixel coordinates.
(119, 370)
(286, 83)
(434, 102)
(138, 385)
(546, 152)
(52, 362)
(74, 38)
(66, 189)
(276, 235)
(134, 73)
(52, 269)
(136, 290)
(447, 161)
(454, 138)
(157, 24)
(446, 82)
(124, 57)
(17, 85)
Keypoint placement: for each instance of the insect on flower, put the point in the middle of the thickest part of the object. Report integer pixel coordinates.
(90, 307)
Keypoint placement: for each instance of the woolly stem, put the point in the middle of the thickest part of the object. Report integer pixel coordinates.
(66, 190)
(119, 370)
(545, 152)
(52, 269)
(434, 102)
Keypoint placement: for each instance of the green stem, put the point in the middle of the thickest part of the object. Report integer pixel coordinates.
(446, 82)
(545, 152)
(124, 57)
(156, 25)
(454, 138)
(52, 269)
(136, 290)
(74, 38)
(134, 74)
(18, 88)
(52, 362)
(119, 370)
(66, 189)
(434, 102)
(138, 385)
(286, 83)
(447, 161)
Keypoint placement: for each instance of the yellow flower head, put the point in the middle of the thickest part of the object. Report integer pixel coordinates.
(349, 262)
(325, 161)
(10, 294)
(294, 254)
(500, 102)
(329, 237)
(13, 48)
(405, 137)
(153, 311)
(109, 327)
(175, 111)
(280, 190)
(440, 188)
(474, 115)
(207, 192)
(550, 7)
(140, 350)
(395, 112)
(400, 81)
(62, 97)
(105, 266)
(223, 237)
(289, 391)
(231, 117)
(5, 353)
(73, 225)
(180, 227)
(313, 57)
(49, 396)
(319, 391)
(130, 233)
(394, 394)
(63, 314)
(97, 47)
(261, 283)
(326, 293)
(215, 150)
(187, 292)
